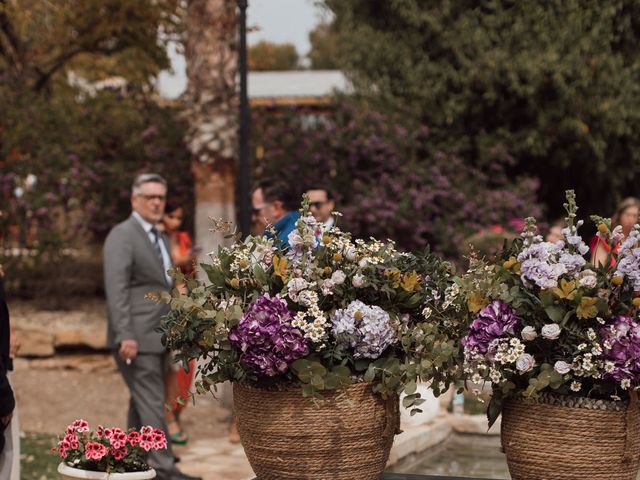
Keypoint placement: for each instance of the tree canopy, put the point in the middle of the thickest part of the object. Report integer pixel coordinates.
(273, 56)
(555, 83)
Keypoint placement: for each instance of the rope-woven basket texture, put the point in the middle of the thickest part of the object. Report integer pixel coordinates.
(561, 438)
(345, 436)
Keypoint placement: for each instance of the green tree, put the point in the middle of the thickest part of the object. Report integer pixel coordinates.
(41, 41)
(273, 56)
(557, 83)
(325, 45)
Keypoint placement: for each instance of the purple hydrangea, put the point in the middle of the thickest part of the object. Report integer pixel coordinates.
(621, 342)
(266, 338)
(492, 322)
(369, 326)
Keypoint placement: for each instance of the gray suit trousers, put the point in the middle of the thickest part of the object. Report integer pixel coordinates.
(145, 379)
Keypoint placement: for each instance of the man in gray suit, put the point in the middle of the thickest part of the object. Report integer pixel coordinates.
(136, 260)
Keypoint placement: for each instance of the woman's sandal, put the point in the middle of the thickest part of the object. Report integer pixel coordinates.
(179, 438)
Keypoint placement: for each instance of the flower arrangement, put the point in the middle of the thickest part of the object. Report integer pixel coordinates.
(543, 319)
(110, 450)
(326, 312)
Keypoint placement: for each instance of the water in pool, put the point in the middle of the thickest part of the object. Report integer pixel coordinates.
(460, 456)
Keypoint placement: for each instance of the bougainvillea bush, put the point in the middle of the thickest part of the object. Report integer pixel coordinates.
(542, 318)
(327, 312)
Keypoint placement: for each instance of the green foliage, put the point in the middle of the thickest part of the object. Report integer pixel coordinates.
(325, 271)
(273, 56)
(325, 47)
(42, 41)
(556, 83)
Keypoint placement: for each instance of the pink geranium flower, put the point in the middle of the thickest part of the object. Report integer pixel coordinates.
(72, 440)
(95, 451)
(118, 439)
(146, 441)
(134, 438)
(159, 440)
(119, 453)
(146, 429)
(81, 426)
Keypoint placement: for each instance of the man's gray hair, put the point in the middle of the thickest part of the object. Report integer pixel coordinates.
(146, 178)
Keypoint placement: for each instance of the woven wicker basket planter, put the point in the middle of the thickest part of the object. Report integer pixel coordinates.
(568, 438)
(346, 436)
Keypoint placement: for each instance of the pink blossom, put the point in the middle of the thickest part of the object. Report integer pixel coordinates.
(95, 451)
(119, 453)
(63, 446)
(81, 426)
(134, 438)
(100, 431)
(146, 441)
(108, 432)
(72, 440)
(118, 439)
(159, 440)
(146, 429)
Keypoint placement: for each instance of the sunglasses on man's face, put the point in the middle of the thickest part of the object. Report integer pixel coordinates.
(316, 205)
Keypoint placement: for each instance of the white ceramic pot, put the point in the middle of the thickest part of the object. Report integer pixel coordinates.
(70, 473)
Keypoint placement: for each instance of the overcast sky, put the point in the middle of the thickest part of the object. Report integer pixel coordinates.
(279, 21)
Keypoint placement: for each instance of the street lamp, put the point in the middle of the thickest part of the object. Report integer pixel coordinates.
(244, 171)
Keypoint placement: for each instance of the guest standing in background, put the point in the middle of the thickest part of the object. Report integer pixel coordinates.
(321, 205)
(136, 260)
(178, 381)
(625, 216)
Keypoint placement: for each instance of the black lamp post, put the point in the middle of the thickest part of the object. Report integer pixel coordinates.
(244, 171)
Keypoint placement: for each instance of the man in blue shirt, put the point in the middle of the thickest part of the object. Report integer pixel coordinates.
(276, 205)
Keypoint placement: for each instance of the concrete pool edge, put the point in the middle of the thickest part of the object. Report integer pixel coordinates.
(416, 439)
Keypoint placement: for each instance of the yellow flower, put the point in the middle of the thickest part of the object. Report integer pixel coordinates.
(617, 280)
(327, 270)
(326, 239)
(636, 302)
(509, 263)
(409, 281)
(337, 257)
(244, 263)
(280, 267)
(587, 308)
(567, 289)
(512, 264)
(603, 229)
(234, 282)
(358, 315)
(476, 302)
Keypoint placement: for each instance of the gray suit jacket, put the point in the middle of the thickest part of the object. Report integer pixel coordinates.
(131, 270)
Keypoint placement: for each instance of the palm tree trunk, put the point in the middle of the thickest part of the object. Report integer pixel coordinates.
(212, 111)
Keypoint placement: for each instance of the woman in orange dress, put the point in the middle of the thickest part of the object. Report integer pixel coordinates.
(626, 216)
(178, 380)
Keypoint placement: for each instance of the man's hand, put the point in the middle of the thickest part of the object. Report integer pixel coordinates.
(128, 350)
(5, 420)
(14, 344)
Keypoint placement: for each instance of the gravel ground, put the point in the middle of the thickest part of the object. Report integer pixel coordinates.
(49, 398)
